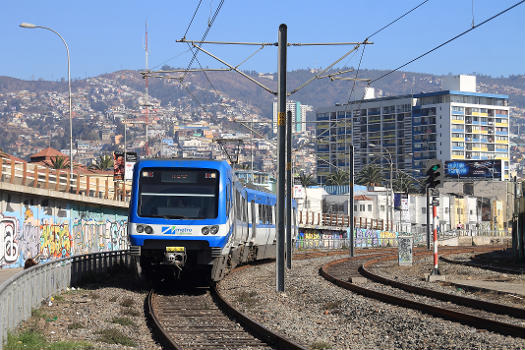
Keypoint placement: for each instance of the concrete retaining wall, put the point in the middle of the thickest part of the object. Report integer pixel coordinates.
(55, 225)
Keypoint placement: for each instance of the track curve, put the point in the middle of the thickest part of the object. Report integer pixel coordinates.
(466, 310)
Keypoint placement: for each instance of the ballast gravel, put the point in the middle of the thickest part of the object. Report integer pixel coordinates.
(319, 315)
(311, 312)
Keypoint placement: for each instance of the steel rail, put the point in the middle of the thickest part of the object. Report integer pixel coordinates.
(471, 320)
(457, 299)
(257, 336)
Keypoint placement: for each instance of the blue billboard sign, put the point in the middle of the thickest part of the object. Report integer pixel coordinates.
(490, 169)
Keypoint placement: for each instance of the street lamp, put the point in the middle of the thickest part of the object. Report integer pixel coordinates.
(33, 26)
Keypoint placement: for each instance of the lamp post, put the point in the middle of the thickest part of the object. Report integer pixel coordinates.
(389, 159)
(33, 26)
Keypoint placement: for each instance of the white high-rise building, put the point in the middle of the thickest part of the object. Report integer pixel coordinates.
(298, 111)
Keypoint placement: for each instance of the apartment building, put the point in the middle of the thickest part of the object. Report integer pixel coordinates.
(403, 132)
(298, 111)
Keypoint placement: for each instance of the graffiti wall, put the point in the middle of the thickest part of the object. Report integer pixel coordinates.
(46, 228)
(310, 238)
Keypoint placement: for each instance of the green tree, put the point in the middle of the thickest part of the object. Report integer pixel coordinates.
(58, 162)
(104, 162)
(404, 183)
(370, 175)
(340, 177)
(306, 180)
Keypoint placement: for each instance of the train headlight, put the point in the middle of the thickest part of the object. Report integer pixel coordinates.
(214, 229)
(205, 230)
(140, 228)
(148, 230)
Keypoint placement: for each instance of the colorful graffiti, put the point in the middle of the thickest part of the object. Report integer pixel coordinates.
(8, 244)
(52, 229)
(55, 241)
(362, 238)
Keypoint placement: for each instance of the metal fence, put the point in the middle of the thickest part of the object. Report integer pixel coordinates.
(359, 242)
(26, 290)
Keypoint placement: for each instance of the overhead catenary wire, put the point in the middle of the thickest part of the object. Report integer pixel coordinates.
(210, 24)
(448, 41)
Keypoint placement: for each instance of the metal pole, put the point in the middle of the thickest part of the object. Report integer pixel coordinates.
(289, 190)
(435, 270)
(281, 150)
(351, 201)
(391, 193)
(428, 218)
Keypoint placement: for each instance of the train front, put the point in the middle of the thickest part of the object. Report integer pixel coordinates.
(177, 218)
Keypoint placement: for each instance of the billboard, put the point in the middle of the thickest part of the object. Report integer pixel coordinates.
(118, 166)
(489, 169)
(131, 159)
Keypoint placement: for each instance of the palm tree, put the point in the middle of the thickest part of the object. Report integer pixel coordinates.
(404, 183)
(340, 177)
(104, 162)
(58, 162)
(370, 175)
(306, 180)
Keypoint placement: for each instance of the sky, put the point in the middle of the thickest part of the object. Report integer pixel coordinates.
(106, 36)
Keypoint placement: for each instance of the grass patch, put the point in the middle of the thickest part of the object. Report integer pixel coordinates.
(332, 305)
(39, 314)
(75, 325)
(114, 336)
(33, 340)
(129, 312)
(94, 295)
(127, 302)
(58, 298)
(124, 321)
(320, 345)
(247, 298)
(113, 298)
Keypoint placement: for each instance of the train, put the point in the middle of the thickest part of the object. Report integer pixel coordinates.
(196, 216)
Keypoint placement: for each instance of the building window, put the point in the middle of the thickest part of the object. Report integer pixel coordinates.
(382, 208)
(423, 210)
(361, 207)
(355, 207)
(369, 207)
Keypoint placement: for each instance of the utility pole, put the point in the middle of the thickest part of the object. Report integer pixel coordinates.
(281, 149)
(351, 201)
(289, 189)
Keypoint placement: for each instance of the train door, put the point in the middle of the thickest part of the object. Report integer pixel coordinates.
(253, 220)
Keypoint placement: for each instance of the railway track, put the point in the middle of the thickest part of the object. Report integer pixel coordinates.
(199, 319)
(498, 318)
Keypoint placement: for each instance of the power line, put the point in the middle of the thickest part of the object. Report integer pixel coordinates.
(395, 20)
(192, 18)
(210, 23)
(448, 41)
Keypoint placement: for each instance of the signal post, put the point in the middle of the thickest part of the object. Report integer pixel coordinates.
(435, 178)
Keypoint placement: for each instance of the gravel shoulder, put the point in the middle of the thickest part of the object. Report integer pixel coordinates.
(320, 315)
(312, 312)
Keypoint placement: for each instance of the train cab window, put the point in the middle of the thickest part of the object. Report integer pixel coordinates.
(181, 193)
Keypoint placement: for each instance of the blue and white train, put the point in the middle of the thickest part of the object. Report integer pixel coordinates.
(188, 215)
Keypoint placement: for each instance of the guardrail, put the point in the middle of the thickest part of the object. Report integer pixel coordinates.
(26, 290)
(36, 176)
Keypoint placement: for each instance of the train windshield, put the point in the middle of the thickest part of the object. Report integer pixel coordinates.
(178, 193)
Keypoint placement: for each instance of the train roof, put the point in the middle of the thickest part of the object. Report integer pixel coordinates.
(186, 163)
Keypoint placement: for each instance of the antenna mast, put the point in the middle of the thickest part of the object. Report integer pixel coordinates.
(146, 97)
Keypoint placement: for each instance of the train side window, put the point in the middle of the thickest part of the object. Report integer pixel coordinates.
(228, 200)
